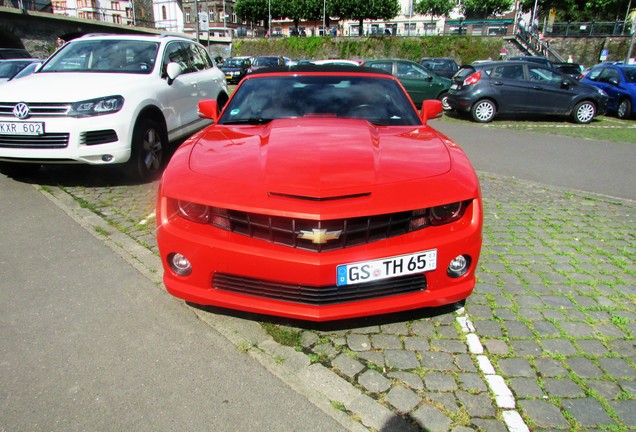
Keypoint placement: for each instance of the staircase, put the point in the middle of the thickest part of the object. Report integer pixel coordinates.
(526, 43)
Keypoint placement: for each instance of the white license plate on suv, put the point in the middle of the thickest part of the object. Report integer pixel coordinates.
(384, 268)
(21, 128)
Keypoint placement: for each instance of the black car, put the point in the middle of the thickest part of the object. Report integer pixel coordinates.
(14, 53)
(513, 87)
(442, 66)
(235, 68)
(573, 70)
(534, 59)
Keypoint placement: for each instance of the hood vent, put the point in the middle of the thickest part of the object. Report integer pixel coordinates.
(318, 199)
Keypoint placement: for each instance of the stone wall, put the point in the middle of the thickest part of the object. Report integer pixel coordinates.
(587, 51)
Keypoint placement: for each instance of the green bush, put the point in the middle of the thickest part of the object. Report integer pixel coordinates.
(464, 49)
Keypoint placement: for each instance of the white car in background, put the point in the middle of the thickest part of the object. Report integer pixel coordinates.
(108, 99)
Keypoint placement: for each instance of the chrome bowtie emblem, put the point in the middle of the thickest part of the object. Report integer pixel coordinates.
(319, 236)
(21, 110)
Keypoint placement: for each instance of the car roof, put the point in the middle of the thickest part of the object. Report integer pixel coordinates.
(149, 37)
(308, 68)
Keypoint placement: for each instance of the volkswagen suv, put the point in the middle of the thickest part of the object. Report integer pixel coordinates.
(108, 99)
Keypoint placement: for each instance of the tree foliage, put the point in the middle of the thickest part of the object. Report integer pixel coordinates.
(359, 10)
(580, 10)
(484, 8)
(440, 8)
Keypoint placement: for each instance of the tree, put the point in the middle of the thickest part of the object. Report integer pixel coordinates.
(439, 8)
(485, 8)
(580, 10)
(359, 10)
(252, 11)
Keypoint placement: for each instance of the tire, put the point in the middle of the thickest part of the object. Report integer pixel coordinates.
(483, 111)
(147, 150)
(624, 109)
(584, 112)
(443, 98)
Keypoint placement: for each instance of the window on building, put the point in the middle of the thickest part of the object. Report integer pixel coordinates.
(164, 13)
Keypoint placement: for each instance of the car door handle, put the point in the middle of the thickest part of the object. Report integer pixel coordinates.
(498, 83)
(537, 88)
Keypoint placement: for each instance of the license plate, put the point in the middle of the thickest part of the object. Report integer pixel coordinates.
(454, 86)
(368, 271)
(21, 128)
(228, 76)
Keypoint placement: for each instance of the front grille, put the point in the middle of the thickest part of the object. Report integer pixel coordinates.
(319, 295)
(37, 109)
(352, 231)
(45, 141)
(98, 137)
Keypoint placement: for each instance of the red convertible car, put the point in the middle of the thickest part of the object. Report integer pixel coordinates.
(319, 193)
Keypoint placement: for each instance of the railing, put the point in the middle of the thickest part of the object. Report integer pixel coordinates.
(586, 29)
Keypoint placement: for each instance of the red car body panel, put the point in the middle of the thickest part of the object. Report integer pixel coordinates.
(316, 168)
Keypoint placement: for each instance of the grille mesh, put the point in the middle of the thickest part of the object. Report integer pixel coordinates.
(47, 140)
(322, 295)
(352, 231)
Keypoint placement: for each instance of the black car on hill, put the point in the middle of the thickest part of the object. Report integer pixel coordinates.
(516, 87)
(235, 68)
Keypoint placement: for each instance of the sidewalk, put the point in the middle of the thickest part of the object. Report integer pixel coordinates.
(546, 342)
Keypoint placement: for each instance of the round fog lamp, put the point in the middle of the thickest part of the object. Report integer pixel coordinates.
(458, 266)
(179, 264)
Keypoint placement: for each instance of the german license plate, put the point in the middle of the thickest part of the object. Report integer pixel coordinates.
(384, 268)
(21, 128)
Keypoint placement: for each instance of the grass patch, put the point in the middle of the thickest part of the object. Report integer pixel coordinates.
(283, 335)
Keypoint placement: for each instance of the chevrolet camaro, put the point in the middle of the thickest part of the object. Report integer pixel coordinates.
(319, 193)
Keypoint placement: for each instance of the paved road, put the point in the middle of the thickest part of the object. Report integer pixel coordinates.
(595, 166)
(546, 341)
(89, 344)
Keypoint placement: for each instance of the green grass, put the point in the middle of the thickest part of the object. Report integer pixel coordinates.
(603, 128)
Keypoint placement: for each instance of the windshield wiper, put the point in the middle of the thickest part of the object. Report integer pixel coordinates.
(250, 120)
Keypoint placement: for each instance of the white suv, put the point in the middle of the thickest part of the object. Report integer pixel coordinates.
(108, 100)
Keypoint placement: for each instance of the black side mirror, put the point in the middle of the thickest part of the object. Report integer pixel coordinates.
(613, 81)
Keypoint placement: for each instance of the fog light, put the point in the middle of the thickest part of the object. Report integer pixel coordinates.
(458, 266)
(179, 264)
(107, 158)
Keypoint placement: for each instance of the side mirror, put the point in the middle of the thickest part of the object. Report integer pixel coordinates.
(173, 70)
(566, 84)
(613, 81)
(209, 109)
(431, 109)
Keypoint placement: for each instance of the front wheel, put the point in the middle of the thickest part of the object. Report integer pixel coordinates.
(483, 111)
(584, 112)
(624, 109)
(147, 149)
(443, 98)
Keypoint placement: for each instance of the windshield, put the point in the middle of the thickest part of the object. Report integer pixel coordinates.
(233, 63)
(379, 100)
(10, 68)
(112, 56)
(265, 61)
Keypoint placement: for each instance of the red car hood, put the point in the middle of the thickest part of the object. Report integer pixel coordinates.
(319, 158)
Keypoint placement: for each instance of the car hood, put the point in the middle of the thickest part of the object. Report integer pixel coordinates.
(320, 167)
(66, 86)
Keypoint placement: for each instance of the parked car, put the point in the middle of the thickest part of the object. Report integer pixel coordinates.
(573, 70)
(534, 59)
(13, 53)
(420, 83)
(489, 89)
(442, 66)
(335, 62)
(105, 100)
(319, 193)
(9, 68)
(235, 68)
(265, 62)
(619, 82)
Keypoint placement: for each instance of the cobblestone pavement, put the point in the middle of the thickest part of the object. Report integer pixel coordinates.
(546, 341)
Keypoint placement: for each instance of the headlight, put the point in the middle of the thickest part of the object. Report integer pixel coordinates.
(95, 107)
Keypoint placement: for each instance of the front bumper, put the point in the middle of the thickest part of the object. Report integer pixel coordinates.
(98, 140)
(214, 252)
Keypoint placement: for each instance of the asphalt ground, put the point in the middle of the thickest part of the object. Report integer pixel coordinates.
(545, 342)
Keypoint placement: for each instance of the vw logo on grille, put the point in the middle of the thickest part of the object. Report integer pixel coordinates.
(21, 110)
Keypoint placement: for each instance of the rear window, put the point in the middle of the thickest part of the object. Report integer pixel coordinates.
(463, 73)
